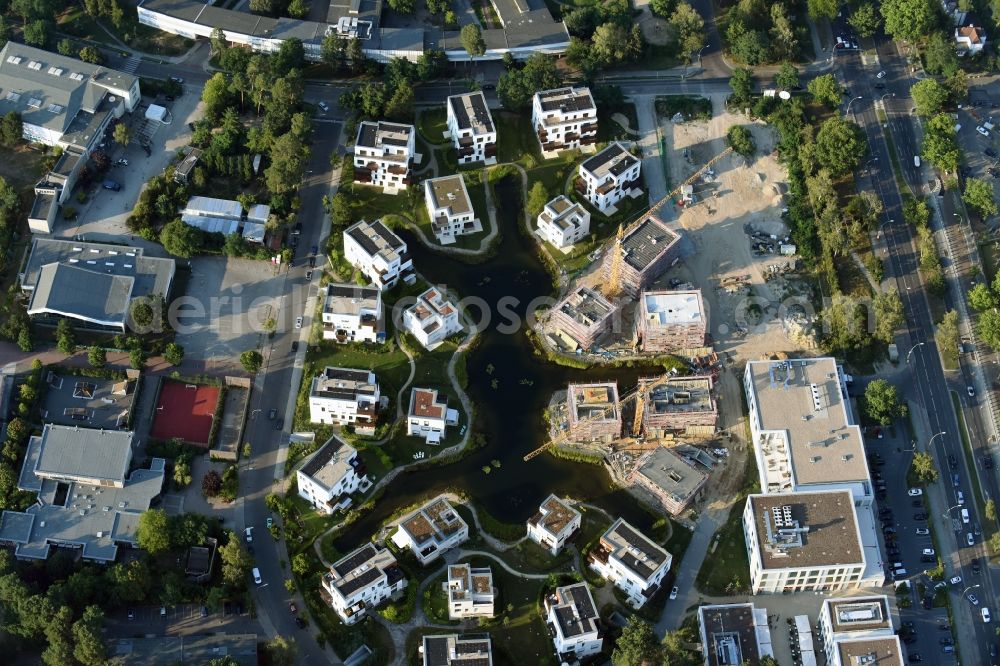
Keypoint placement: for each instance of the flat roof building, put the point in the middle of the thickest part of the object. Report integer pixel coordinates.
(450, 209)
(884, 651)
(361, 581)
(670, 321)
(378, 253)
(573, 622)
(594, 412)
(671, 479)
(733, 634)
(471, 128)
(344, 396)
(553, 524)
(629, 559)
(328, 477)
(470, 591)
(187, 650)
(457, 650)
(608, 177)
(431, 530)
(647, 248)
(678, 404)
(213, 215)
(582, 318)
(563, 223)
(352, 313)
(429, 415)
(432, 318)
(384, 154)
(564, 119)
(855, 619)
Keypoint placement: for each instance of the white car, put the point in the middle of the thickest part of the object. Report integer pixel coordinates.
(956, 580)
(965, 516)
(969, 539)
(256, 576)
(914, 492)
(298, 322)
(973, 599)
(928, 551)
(323, 106)
(959, 497)
(982, 130)
(249, 534)
(176, 79)
(986, 615)
(673, 592)
(880, 75)
(923, 531)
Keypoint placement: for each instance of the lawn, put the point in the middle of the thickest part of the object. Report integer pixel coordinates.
(431, 125)
(369, 202)
(529, 557)
(435, 601)
(75, 22)
(609, 129)
(726, 569)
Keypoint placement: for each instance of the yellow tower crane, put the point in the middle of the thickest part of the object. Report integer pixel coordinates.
(640, 401)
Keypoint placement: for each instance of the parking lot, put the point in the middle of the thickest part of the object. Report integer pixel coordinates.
(181, 620)
(981, 152)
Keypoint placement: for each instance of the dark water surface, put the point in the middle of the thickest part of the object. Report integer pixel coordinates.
(511, 415)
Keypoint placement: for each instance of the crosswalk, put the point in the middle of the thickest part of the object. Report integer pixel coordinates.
(131, 65)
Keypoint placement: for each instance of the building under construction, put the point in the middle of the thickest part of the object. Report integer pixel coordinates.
(669, 321)
(594, 413)
(639, 255)
(674, 481)
(677, 404)
(581, 318)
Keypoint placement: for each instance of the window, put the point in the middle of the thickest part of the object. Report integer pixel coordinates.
(35, 103)
(76, 76)
(13, 96)
(14, 60)
(35, 65)
(55, 71)
(55, 108)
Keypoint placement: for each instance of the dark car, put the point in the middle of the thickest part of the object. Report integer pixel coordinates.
(295, 346)
(111, 185)
(975, 568)
(279, 424)
(131, 613)
(952, 462)
(920, 516)
(204, 611)
(315, 249)
(928, 603)
(909, 639)
(928, 559)
(917, 503)
(946, 641)
(988, 462)
(292, 608)
(272, 414)
(299, 622)
(297, 229)
(915, 657)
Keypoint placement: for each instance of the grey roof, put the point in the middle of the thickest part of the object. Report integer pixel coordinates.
(634, 550)
(64, 289)
(569, 98)
(187, 650)
(344, 384)
(44, 200)
(70, 451)
(458, 650)
(377, 134)
(471, 112)
(51, 84)
(330, 463)
(575, 611)
(361, 568)
(350, 299)
(646, 241)
(614, 160)
(664, 469)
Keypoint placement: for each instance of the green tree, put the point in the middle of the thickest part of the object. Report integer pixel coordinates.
(516, 87)
(865, 20)
(663, 8)
(840, 145)
(946, 337)
(59, 638)
(92, 55)
(122, 135)
(36, 33)
(340, 210)
(613, 44)
(285, 172)
(929, 97)
(995, 543)
(882, 402)
(826, 90)
(236, 562)
(89, 649)
(211, 483)
(939, 54)
(908, 20)
(300, 565)
(11, 128)
(472, 40)
(181, 239)
(820, 9)
(888, 309)
(674, 648)
(988, 328)
(689, 30)
(923, 468)
(182, 472)
(66, 47)
(741, 83)
(979, 196)
(403, 6)
(991, 510)
(251, 360)
(281, 651)
(741, 140)
(153, 533)
(65, 338)
(216, 95)
(141, 313)
(174, 354)
(941, 144)
(787, 77)
(97, 357)
(637, 645)
(982, 298)
(750, 47)
(137, 358)
(538, 196)
(400, 105)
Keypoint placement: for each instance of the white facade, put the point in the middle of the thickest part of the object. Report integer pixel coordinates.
(853, 618)
(376, 251)
(449, 208)
(432, 319)
(343, 396)
(352, 313)
(554, 524)
(329, 475)
(573, 618)
(470, 592)
(431, 530)
(429, 415)
(471, 128)
(563, 222)
(384, 154)
(564, 119)
(970, 39)
(608, 176)
(735, 634)
(631, 561)
(361, 580)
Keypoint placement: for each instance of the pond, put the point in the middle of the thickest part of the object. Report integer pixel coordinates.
(510, 387)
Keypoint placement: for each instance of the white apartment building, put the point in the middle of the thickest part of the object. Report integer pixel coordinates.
(431, 530)
(470, 592)
(449, 208)
(573, 619)
(343, 396)
(471, 128)
(328, 477)
(431, 319)
(848, 620)
(456, 650)
(429, 415)
(734, 634)
(608, 177)
(554, 524)
(377, 252)
(804, 541)
(631, 561)
(352, 313)
(564, 119)
(384, 154)
(563, 222)
(361, 580)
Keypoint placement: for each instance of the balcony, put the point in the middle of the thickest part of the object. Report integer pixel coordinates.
(465, 152)
(398, 170)
(580, 186)
(589, 128)
(466, 141)
(362, 176)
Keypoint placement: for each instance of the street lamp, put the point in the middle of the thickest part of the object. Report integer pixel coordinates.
(699, 53)
(971, 587)
(947, 514)
(882, 98)
(935, 437)
(911, 351)
(851, 102)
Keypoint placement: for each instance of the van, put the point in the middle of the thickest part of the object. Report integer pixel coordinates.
(965, 516)
(256, 575)
(916, 161)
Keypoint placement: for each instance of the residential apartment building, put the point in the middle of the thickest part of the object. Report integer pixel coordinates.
(564, 119)
(344, 396)
(610, 176)
(432, 319)
(647, 248)
(553, 525)
(384, 154)
(627, 558)
(360, 581)
(803, 541)
(328, 477)
(63, 101)
(429, 415)
(449, 208)
(852, 619)
(431, 530)
(581, 318)
(377, 252)
(670, 321)
(734, 634)
(574, 623)
(471, 128)
(884, 651)
(457, 650)
(563, 223)
(86, 497)
(671, 479)
(593, 412)
(678, 404)
(352, 313)
(54, 189)
(470, 592)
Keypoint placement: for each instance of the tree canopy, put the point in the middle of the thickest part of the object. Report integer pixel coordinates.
(840, 145)
(908, 19)
(979, 196)
(882, 402)
(153, 531)
(826, 90)
(929, 96)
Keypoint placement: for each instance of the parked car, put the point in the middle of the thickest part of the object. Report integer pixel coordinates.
(111, 185)
(989, 152)
(880, 75)
(928, 559)
(965, 516)
(928, 551)
(309, 275)
(673, 592)
(272, 414)
(952, 462)
(176, 79)
(279, 424)
(323, 105)
(985, 612)
(956, 580)
(292, 607)
(972, 599)
(295, 346)
(917, 504)
(946, 641)
(923, 531)
(982, 130)
(969, 539)
(256, 576)
(131, 613)
(269, 522)
(915, 492)
(248, 533)
(298, 322)
(299, 622)
(971, 391)
(959, 497)
(920, 516)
